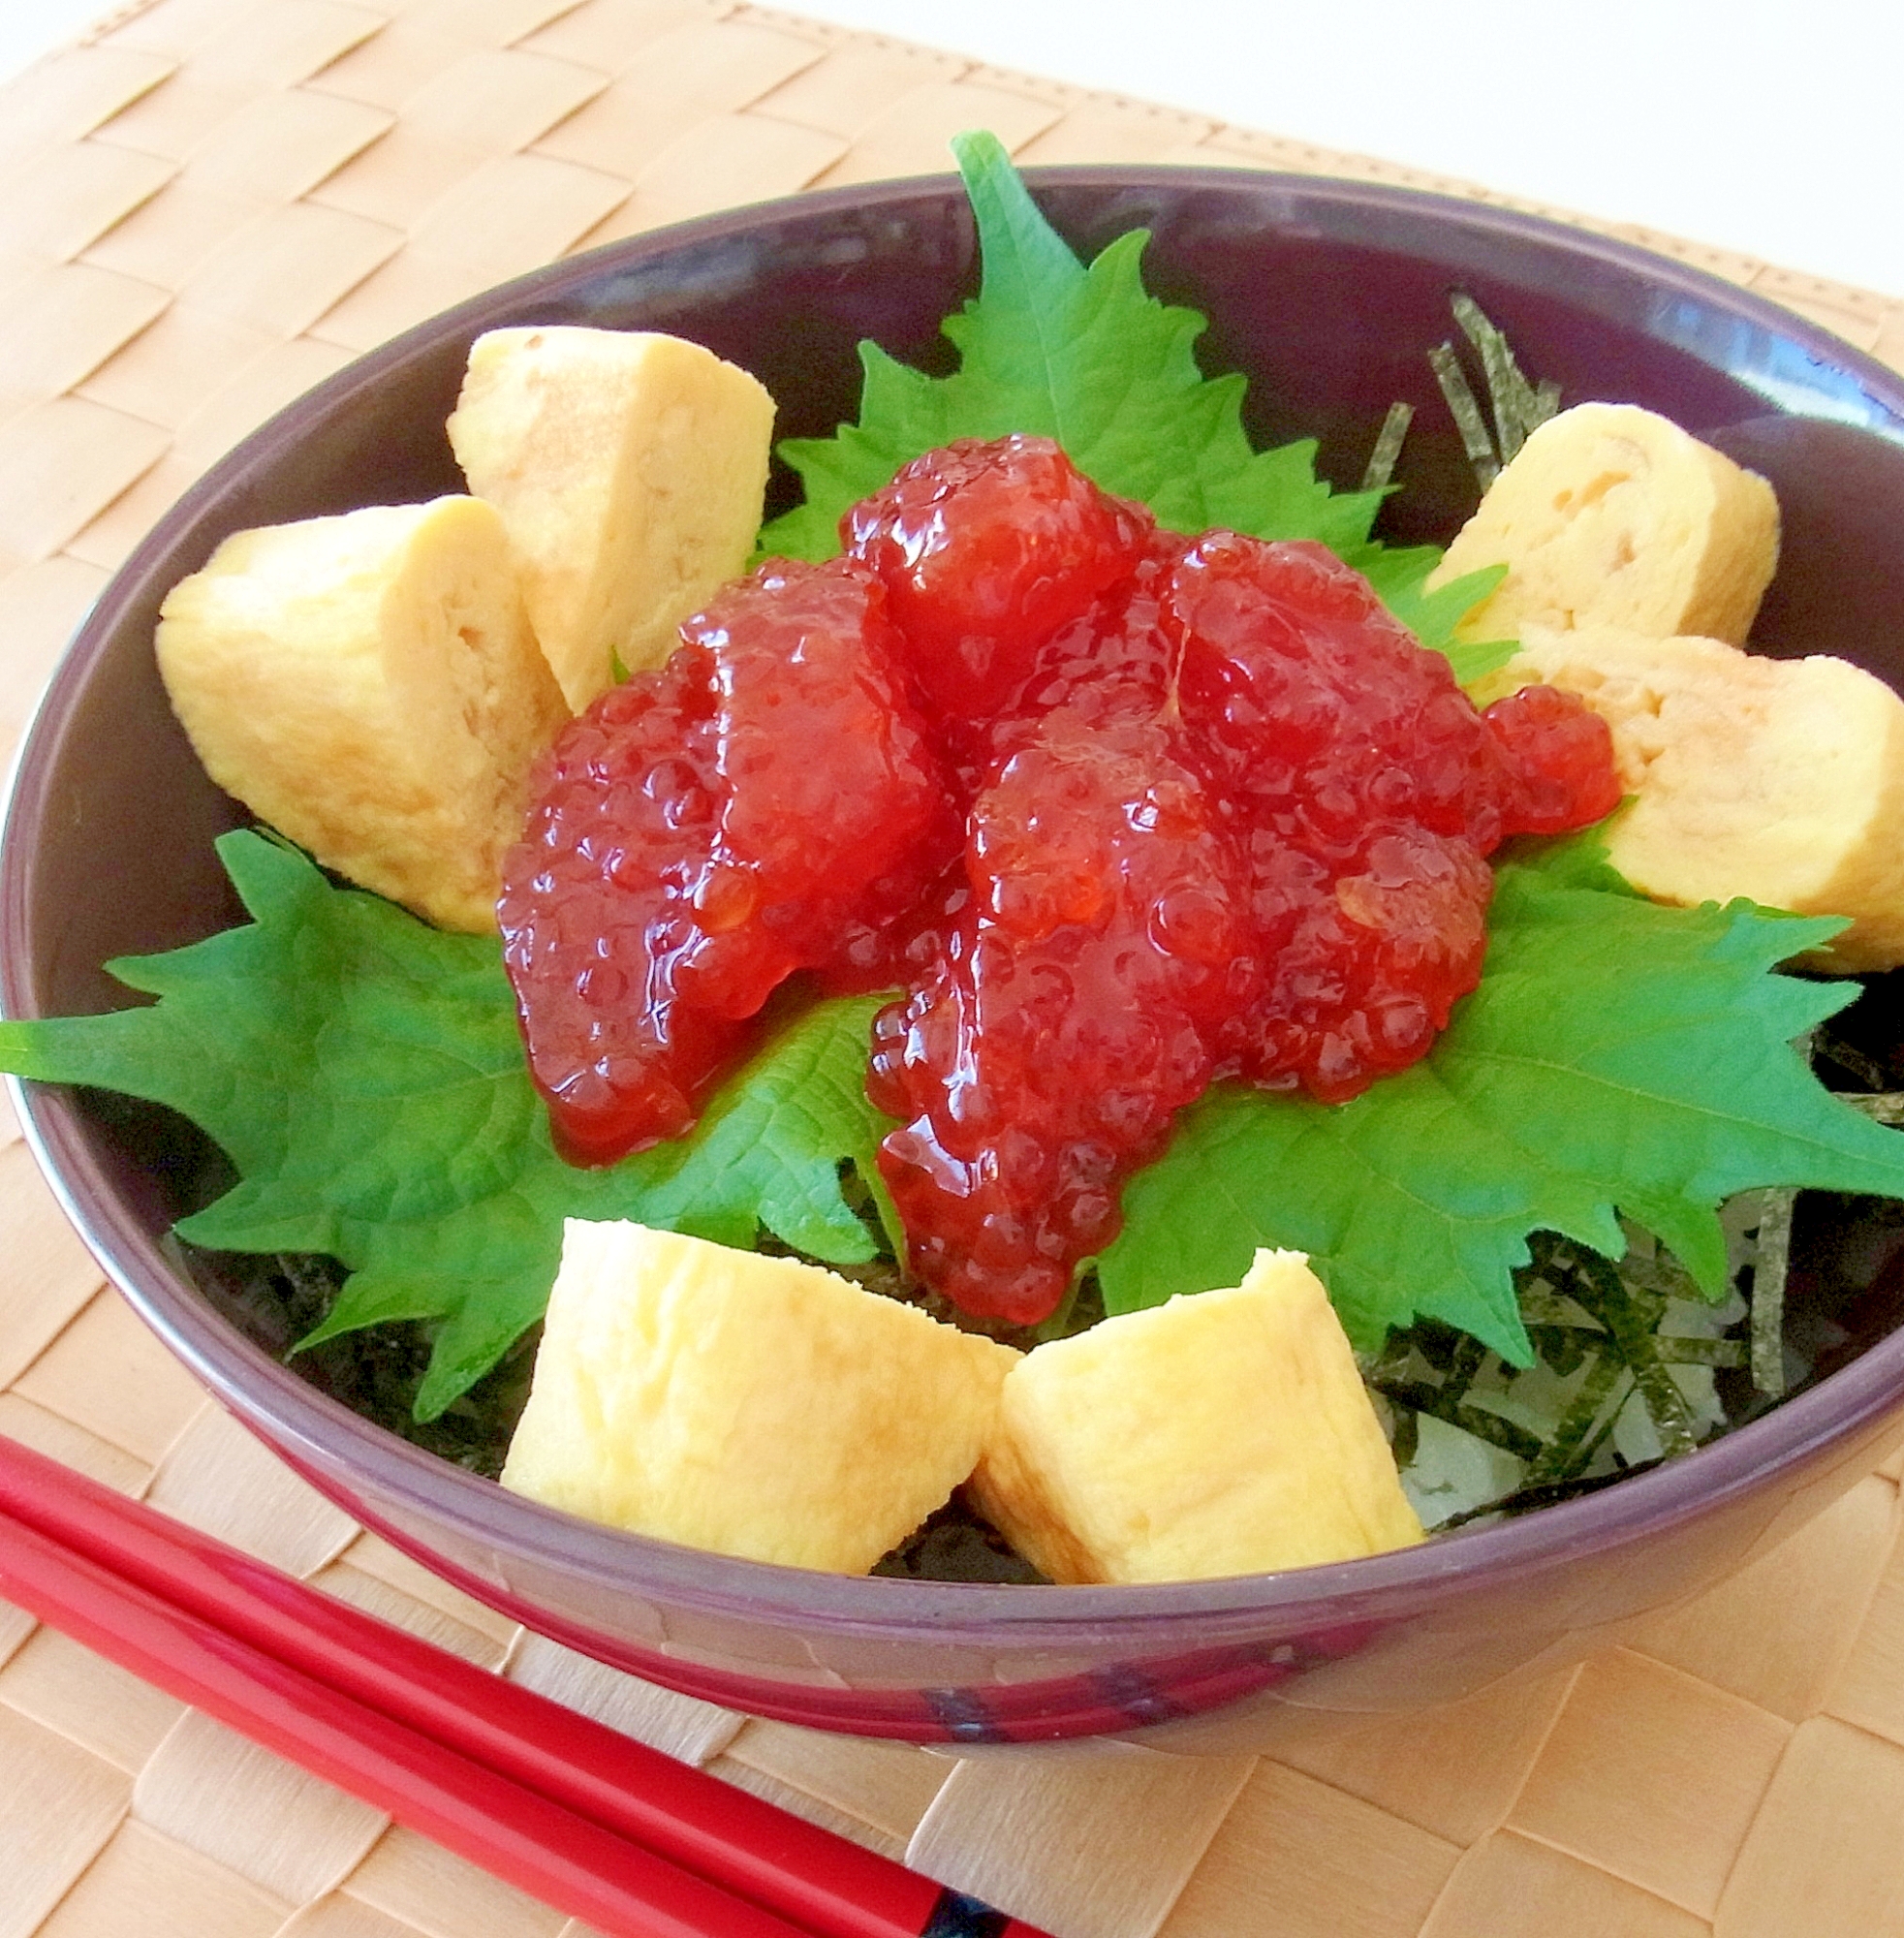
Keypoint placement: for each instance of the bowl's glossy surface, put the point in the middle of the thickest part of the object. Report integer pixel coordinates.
(1326, 295)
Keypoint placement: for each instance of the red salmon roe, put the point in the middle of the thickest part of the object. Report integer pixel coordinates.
(987, 549)
(1371, 792)
(1560, 755)
(1072, 1007)
(595, 914)
(1205, 810)
(700, 834)
(828, 786)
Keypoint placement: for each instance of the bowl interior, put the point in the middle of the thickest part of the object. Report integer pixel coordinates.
(1327, 296)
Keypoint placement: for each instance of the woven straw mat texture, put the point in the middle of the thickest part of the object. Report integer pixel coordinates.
(204, 208)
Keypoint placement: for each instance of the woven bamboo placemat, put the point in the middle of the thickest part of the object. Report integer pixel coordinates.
(210, 205)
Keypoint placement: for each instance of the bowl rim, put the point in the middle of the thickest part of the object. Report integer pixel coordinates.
(325, 1440)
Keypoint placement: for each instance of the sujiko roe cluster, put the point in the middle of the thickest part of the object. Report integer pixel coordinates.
(1120, 810)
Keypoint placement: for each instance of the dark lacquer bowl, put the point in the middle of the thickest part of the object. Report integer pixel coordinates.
(1326, 295)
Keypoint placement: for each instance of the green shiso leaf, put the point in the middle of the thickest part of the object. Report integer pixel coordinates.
(1399, 575)
(1053, 348)
(1617, 1056)
(365, 1077)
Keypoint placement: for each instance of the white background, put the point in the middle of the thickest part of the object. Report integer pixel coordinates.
(1767, 126)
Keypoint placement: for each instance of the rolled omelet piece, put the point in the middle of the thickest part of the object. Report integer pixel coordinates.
(1781, 780)
(1610, 514)
(755, 1406)
(630, 469)
(1222, 1433)
(369, 685)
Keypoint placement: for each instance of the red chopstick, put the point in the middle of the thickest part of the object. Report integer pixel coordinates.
(573, 1812)
(564, 1859)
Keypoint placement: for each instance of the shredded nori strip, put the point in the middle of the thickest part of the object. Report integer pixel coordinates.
(1676, 1351)
(1466, 413)
(1520, 408)
(1381, 466)
(1631, 1314)
(957, 1543)
(276, 1298)
(1575, 1441)
(1543, 1494)
(1768, 1274)
(1439, 1403)
(1826, 1048)
(1600, 1328)
(1884, 1106)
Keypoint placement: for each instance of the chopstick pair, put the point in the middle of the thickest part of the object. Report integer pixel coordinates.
(568, 1810)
